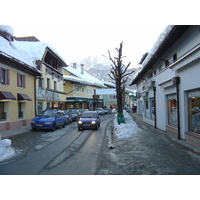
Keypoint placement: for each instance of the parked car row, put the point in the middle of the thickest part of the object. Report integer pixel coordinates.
(50, 119)
(103, 111)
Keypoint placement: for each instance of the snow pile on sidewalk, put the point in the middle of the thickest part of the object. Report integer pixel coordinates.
(6, 152)
(127, 129)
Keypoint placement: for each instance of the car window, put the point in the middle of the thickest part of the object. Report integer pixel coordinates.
(89, 115)
(48, 113)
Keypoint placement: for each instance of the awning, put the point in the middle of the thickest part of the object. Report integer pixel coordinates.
(6, 96)
(23, 97)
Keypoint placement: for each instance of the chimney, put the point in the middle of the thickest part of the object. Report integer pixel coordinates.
(74, 65)
(82, 68)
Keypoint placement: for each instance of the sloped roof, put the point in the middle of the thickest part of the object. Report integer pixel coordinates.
(25, 51)
(169, 36)
(85, 78)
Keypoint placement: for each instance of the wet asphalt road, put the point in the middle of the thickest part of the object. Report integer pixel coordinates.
(150, 152)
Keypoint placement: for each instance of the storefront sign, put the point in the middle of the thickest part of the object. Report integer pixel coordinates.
(46, 95)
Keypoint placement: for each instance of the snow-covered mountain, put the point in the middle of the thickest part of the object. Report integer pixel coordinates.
(99, 67)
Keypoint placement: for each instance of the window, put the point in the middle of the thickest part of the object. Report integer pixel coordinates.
(1, 110)
(174, 57)
(112, 97)
(21, 80)
(166, 63)
(48, 82)
(194, 111)
(146, 108)
(40, 82)
(160, 68)
(55, 85)
(39, 108)
(4, 76)
(172, 109)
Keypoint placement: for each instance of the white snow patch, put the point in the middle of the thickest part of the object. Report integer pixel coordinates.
(6, 152)
(7, 29)
(86, 78)
(126, 130)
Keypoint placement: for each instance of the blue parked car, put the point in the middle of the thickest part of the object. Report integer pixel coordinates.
(49, 119)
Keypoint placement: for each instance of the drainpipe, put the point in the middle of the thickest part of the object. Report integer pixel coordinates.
(177, 82)
(37, 77)
(155, 117)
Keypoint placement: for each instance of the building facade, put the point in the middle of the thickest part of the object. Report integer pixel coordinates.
(80, 89)
(17, 91)
(168, 85)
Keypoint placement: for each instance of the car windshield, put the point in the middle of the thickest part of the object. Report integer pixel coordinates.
(88, 115)
(48, 113)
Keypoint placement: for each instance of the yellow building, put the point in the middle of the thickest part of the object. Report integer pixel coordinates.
(49, 87)
(17, 78)
(80, 88)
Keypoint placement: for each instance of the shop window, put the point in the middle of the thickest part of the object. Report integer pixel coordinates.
(194, 111)
(39, 107)
(152, 107)
(20, 112)
(172, 110)
(146, 108)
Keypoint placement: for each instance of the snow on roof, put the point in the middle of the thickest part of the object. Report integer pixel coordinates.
(109, 84)
(7, 29)
(86, 78)
(159, 41)
(26, 52)
(74, 79)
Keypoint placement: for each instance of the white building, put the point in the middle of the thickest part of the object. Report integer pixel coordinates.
(168, 85)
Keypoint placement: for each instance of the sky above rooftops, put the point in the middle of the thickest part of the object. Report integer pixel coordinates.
(78, 29)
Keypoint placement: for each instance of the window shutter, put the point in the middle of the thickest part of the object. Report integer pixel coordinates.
(23, 81)
(18, 79)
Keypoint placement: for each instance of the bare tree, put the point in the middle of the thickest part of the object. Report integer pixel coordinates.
(119, 75)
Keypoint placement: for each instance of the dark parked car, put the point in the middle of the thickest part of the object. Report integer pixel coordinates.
(49, 119)
(75, 114)
(100, 111)
(107, 111)
(68, 116)
(82, 110)
(89, 119)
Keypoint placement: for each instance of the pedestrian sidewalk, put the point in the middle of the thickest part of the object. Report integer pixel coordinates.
(150, 152)
(139, 120)
(12, 132)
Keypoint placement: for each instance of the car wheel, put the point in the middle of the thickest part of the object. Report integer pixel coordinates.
(54, 127)
(64, 125)
(79, 128)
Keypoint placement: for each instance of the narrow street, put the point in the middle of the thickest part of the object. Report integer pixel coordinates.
(71, 152)
(64, 151)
